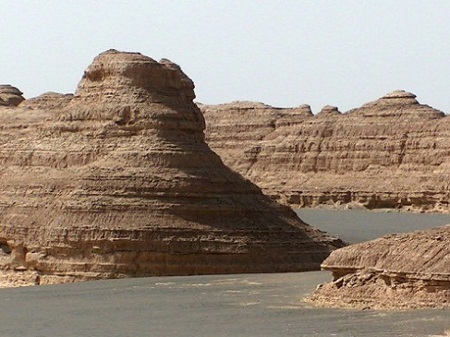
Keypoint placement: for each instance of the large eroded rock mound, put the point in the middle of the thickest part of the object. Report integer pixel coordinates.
(390, 153)
(118, 181)
(397, 271)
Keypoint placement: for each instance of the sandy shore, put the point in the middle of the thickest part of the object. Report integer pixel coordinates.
(10, 279)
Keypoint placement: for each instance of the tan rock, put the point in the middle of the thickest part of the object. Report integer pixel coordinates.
(237, 130)
(10, 96)
(390, 153)
(48, 101)
(117, 181)
(398, 104)
(397, 271)
(328, 110)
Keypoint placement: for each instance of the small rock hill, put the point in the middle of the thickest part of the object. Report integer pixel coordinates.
(397, 271)
(117, 181)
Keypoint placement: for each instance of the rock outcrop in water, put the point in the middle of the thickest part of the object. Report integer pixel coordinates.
(397, 271)
(117, 181)
(390, 153)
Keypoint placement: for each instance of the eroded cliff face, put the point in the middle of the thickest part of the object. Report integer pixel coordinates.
(237, 130)
(117, 181)
(390, 153)
(397, 271)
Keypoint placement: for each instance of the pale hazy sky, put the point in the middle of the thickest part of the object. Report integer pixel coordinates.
(284, 53)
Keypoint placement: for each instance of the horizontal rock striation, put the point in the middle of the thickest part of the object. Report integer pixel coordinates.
(237, 130)
(117, 181)
(390, 153)
(397, 271)
(48, 101)
(10, 96)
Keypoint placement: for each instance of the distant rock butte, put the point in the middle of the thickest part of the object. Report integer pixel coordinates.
(117, 181)
(390, 153)
(10, 96)
(328, 110)
(47, 101)
(397, 271)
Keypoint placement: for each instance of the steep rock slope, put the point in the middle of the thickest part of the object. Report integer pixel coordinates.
(393, 153)
(397, 271)
(118, 181)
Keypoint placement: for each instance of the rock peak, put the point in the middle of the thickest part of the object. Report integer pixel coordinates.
(398, 103)
(329, 110)
(303, 109)
(10, 96)
(399, 97)
(48, 101)
(399, 94)
(133, 89)
(136, 74)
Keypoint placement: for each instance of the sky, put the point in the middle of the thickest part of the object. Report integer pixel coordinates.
(281, 52)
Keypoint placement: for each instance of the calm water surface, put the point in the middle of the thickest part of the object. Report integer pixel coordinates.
(360, 225)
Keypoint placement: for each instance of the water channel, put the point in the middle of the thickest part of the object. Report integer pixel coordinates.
(251, 305)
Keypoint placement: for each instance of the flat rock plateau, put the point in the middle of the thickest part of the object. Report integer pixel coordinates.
(396, 271)
(117, 181)
(390, 153)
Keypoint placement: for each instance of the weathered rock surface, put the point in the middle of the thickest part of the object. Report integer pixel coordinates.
(237, 130)
(397, 271)
(328, 110)
(390, 153)
(10, 96)
(117, 181)
(48, 101)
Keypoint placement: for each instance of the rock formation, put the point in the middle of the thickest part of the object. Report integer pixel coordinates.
(390, 153)
(397, 271)
(118, 181)
(48, 101)
(237, 130)
(328, 110)
(10, 96)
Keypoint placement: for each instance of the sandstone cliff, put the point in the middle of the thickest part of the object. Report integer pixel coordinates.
(117, 181)
(390, 153)
(397, 271)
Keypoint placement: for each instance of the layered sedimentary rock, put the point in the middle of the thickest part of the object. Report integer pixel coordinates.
(397, 271)
(10, 96)
(48, 101)
(118, 181)
(390, 153)
(237, 130)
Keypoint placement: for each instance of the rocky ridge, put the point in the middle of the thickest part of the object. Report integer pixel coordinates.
(390, 153)
(117, 181)
(397, 271)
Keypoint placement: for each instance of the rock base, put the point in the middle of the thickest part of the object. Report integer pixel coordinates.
(374, 290)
